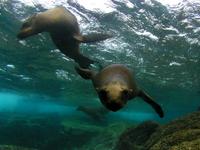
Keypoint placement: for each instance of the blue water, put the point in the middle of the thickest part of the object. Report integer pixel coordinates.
(159, 43)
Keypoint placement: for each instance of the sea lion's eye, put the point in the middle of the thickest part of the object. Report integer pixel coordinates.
(102, 94)
(28, 22)
(125, 94)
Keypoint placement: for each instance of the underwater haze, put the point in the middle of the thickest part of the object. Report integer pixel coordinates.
(40, 91)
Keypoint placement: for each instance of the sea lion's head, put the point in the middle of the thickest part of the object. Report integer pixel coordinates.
(30, 27)
(114, 95)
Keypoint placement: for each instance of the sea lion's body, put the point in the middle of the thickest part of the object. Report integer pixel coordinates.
(115, 85)
(64, 31)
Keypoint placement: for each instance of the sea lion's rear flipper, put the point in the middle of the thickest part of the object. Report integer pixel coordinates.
(84, 73)
(71, 49)
(92, 37)
(150, 101)
(84, 61)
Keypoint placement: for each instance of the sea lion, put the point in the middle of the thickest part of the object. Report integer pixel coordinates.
(115, 85)
(98, 113)
(64, 31)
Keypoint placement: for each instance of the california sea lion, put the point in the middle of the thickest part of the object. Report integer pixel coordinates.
(97, 113)
(64, 31)
(115, 85)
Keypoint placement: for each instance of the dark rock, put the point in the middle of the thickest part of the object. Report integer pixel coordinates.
(107, 138)
(180, 134)
(176, 134)
(44, 133)
(134, 138)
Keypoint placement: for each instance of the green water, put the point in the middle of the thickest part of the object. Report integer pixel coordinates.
(40, 90)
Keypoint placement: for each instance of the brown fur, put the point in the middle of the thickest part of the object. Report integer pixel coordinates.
(117, 81)
(64, 31)
(115, 85)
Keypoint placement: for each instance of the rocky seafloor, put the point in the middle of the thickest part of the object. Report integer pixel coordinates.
(180, 134)
(53, 133)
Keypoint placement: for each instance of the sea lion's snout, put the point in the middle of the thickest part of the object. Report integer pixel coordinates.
(114, 106)
(29, 27)
(24, 33)
(113, 100)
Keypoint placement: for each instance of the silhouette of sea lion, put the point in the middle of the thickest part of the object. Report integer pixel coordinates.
(116, 85)
(95, 113)
(64, 31)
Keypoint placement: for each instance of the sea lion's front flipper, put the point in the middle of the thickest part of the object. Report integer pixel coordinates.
(92, 37)
(150, 101)
(84, 73)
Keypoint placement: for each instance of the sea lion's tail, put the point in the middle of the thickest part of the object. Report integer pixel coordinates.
(92, 37)
(84, 61)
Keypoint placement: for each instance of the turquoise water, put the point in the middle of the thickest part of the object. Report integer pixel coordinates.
(38, 84)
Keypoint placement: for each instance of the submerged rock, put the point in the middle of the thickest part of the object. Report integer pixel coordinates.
(176, 133)
(107, 138)
(44, 133)
(180, 134)
(54, 133)
(134, 138)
